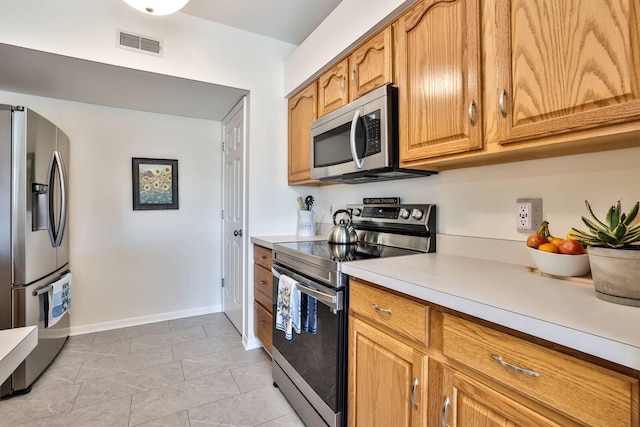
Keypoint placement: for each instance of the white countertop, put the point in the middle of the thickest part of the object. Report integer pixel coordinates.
(15, 346)
(559, 311)
(268, 241)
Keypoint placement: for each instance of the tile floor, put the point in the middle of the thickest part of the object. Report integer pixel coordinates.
(184, 373)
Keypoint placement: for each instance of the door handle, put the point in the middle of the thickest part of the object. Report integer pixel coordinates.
(414, 386)
(237, 233)
(56, 231)
(443, 415)
(503, 112)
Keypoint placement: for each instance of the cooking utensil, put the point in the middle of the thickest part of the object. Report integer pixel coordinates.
(309, 202)
(301, 202)
(342, 233)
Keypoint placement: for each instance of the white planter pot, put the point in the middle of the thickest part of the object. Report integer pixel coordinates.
(616, 274)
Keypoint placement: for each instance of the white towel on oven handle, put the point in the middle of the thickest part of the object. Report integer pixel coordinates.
(288, 306)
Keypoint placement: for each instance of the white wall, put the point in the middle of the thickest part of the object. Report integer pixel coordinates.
(345, 25)
(194, 49)
(137, 264)
(480, 201)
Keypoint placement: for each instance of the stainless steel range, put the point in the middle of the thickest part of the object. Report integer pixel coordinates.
(310, 367)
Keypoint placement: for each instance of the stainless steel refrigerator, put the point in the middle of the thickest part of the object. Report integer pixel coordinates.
(34, 246)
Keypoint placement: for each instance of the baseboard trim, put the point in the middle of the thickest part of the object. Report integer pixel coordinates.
(136, 321)
(251, 343)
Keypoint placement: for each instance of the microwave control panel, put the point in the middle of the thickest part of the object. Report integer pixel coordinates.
(372, 133)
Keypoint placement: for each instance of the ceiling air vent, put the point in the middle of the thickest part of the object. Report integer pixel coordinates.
(138, 43)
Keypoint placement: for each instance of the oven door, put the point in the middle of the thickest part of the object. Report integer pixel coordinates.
(315, 362)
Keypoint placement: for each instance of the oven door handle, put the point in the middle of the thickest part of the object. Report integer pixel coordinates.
(335, 301)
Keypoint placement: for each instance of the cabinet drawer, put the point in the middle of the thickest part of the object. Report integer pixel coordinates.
(402, 315)
(262, 256)
(263, 326)
(263, 287)
(585, 392)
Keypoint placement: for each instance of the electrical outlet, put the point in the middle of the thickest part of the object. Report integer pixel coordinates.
(528, 215)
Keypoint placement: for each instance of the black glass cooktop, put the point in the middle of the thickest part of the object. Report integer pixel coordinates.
(338, 253)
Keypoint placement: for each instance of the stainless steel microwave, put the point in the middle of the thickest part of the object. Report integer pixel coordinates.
(358, 142)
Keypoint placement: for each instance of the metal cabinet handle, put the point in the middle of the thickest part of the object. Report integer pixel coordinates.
(380, 309)
(353, 78)
(503, 93)
(263, 282)
(472, 105)
(414, 386)
(237, 233)
(343, 86)
(445, 407)
(513, 367)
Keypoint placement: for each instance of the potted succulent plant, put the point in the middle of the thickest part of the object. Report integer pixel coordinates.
(614, 254)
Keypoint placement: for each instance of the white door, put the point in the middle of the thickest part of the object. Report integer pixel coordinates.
(234, 236)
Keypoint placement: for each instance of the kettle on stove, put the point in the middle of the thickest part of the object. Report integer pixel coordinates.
(342, 233)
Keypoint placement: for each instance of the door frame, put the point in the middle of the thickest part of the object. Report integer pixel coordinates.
(244, 105)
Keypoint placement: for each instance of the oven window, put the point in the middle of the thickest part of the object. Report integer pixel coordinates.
(319, 358)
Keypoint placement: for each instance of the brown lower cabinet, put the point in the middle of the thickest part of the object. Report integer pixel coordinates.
(468, 372)
(263, 296)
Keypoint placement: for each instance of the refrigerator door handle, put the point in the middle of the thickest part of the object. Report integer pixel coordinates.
(56, 230)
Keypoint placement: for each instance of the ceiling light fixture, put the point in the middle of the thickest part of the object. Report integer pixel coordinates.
(157, 7)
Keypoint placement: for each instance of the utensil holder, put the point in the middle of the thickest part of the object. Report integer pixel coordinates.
(306, 223)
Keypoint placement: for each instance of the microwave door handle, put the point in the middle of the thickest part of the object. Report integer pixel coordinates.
(352, 139)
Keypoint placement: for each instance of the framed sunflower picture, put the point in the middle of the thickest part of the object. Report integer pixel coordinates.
(155, 183)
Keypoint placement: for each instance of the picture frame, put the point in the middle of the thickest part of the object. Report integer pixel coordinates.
(155, 183)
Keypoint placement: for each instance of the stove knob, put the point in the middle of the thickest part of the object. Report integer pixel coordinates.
(417, 214)
(405, 213)
(356, 212)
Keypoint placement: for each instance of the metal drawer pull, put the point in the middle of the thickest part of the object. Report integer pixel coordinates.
(380, 309)
(353, 78)
(263, 282)
(502, 110)
(445, 407)
(513, 367)
(472, 105)
(413, 394)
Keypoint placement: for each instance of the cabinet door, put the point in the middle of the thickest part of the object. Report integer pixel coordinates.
(303, 109)
(333, 89)
(439, 79)
(469, 403)
(387, 379)
(567, 65)
(371, 64)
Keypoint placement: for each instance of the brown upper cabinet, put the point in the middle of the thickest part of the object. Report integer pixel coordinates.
(368, 67)
(333, 89)
(303, 109)
(439, 79)
(371, 64)
(494, 81)
(566, 65)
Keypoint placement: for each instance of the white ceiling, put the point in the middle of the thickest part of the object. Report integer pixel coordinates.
(287, 20)
(62, 77)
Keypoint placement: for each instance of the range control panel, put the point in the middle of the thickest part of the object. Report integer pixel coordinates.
(422, 214)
